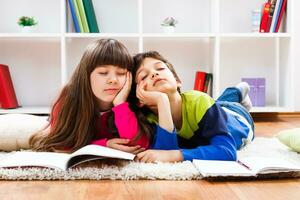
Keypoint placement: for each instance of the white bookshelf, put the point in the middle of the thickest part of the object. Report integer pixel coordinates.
(212, 35)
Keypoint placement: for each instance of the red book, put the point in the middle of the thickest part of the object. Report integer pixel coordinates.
(271, 13)
(8, 97)
(265, 17)
(280, 15)
(199, 81)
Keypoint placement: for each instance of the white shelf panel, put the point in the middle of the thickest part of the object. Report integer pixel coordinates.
(270, 109)
(30, 35)
(256, 35)
(101, 35)
(175, 35)
(26, 110)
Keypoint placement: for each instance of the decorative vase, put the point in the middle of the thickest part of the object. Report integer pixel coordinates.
(27, 29)
(168, 29)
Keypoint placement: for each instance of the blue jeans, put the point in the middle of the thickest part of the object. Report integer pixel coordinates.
(231, 99)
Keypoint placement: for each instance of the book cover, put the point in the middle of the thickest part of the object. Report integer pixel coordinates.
(257, 91)
(62, 161)
(244, 167)
(74, 17)
(199, 81)
(264, 17)
(78, 15)
(282, 11)
(90, 15)
(8, 97)
(83, 16)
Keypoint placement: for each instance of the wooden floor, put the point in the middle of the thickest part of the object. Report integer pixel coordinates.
(267, 189)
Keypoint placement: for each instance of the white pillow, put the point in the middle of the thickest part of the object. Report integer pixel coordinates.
(16, 129)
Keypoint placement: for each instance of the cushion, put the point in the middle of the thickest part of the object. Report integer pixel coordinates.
(16, 129)
(290, 138)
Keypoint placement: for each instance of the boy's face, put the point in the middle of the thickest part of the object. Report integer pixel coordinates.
(157, 76)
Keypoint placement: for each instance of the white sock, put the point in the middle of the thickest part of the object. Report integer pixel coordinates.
(245, 88)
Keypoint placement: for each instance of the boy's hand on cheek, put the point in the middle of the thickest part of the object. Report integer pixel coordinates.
(124, 92)
(159, 155)
(149, 98)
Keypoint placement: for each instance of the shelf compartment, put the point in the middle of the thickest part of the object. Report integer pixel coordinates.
(46, 12)
(187, 55)
(258, 58)
(34, 65)
(193, 16)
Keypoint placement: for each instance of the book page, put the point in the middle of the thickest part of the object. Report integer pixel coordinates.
(260, 164)
(37, 159)
(98, 152)
(215, 168)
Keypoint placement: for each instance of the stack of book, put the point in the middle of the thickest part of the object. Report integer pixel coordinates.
(272, 14)
(83, 15)
(203, 82)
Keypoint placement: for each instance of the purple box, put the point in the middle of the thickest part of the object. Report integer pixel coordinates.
(257, 92)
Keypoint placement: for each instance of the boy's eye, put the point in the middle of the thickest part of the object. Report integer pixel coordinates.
(161, 68)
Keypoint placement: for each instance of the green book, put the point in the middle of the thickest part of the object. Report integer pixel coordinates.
(83, 16)
(90, 15)
(78, 16)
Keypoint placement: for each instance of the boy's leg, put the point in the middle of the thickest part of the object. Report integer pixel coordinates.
(237, 94)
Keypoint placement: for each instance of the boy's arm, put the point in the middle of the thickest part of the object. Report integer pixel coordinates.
(221, 147)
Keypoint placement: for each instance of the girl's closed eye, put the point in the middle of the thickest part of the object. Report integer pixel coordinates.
(103, 73)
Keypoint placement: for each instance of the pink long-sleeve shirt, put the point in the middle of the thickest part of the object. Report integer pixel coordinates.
(126, 123)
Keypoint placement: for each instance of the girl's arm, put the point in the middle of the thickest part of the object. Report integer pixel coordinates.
(127, 124)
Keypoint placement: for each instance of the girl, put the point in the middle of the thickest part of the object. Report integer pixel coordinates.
(92, 107)
(190, 125)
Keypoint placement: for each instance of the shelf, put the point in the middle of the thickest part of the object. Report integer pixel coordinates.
(30, 35)
(26, 110)
(270, 109)
(101, 35)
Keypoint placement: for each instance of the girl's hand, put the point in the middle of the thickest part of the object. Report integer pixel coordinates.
(124, 92)
(149, 98)
(123, 145)
(159, 155)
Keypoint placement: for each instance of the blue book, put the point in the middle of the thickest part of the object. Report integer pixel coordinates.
(74, 17)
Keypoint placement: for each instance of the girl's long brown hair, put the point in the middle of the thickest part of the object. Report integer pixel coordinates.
(73, 115)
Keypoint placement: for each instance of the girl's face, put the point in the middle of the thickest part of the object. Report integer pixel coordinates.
(107, 81)
(157, 76)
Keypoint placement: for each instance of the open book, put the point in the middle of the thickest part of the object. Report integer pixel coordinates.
(244, 167)
(62, 161)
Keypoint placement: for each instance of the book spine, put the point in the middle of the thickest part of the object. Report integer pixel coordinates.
(83, 16)
(8, 97)
(265, 17)
(199, 81)
(74, 17)
(271, 13)
(282, 9)
(208, 79)
(90, 15)
(78, 15)
(275, 16)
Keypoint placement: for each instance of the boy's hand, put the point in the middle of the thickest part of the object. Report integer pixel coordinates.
(149, 98)
(123, 145)
(124, 92)
(159, 155)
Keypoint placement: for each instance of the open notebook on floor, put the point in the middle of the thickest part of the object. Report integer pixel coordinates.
(244, 167)
(62, 161)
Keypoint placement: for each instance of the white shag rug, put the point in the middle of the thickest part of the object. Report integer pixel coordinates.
(130, 170)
